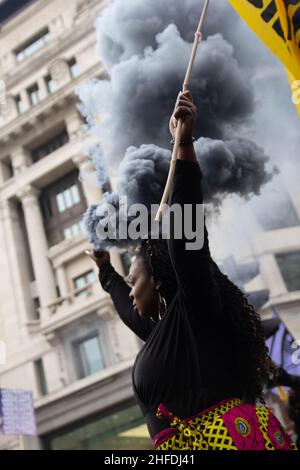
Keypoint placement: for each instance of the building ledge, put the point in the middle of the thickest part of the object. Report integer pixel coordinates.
(105, 376)
(64, 314)
(67, 250)
(278, 241)
(56, 46)
(64, 95)
(285, 298)
(43, 172)
(33, 326)
(85, 397)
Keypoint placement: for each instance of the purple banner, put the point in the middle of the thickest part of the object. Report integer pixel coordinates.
(283, 349)
(17, 416)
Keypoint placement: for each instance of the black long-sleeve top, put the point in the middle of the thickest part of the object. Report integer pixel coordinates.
(187, 361)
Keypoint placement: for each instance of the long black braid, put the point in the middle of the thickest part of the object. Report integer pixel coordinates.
(253, 362)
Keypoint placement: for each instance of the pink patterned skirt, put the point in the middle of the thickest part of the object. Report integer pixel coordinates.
(228, 425)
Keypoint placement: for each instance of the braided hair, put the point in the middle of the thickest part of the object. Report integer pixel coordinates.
(254, 364)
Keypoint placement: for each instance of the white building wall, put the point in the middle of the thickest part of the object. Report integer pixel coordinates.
(27, 339)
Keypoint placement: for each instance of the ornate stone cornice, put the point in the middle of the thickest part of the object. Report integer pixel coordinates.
(55, 48)
(63, 96)
(29, 195)
(83, 162)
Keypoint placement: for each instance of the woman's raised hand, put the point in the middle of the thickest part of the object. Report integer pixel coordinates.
(185, 110)
(100, 257)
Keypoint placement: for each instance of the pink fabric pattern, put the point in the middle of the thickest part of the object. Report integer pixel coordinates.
(243, 427)
(163, 436)
(280, 440)
(211, 408)
(163, 410)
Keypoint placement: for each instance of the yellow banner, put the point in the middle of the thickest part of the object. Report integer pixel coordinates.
(277, 23)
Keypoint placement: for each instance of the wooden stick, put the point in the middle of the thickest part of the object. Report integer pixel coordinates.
(169, 183)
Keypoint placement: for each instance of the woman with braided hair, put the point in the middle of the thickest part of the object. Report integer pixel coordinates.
(199, 376)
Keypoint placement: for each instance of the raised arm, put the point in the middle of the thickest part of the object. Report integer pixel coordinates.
(119, 291)
(193, 266)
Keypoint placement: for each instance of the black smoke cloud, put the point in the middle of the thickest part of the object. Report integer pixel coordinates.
(125, 30)
(135, 105)
(229, 167)
(145, 46)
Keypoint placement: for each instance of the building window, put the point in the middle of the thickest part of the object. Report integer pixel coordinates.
(19, 104)
(68, 233)
(289, 265)
(51, 84)
(73, 231)
(88, 356)
(36, 308)
(34, 94)
(277, 211)
(83, 281)
(63, 205)
(74, 68)
(68, 198)
(50, 146)
(33, 45)
(122, 427)
(7, 170)
(40, 377)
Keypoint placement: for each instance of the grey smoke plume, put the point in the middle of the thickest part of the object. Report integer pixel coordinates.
(230, 167)
(125, 30)
(145, 46)
(135, 105)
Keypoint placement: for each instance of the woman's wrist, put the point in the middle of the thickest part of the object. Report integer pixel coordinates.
(184, 141)
(187, 152)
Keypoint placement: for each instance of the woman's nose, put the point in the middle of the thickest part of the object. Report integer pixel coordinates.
(131, 296)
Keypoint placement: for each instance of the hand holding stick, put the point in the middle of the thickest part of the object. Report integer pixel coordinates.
(168, 188)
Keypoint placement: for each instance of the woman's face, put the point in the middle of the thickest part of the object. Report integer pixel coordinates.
(143, 293)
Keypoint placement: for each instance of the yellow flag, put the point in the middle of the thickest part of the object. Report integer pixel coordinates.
(290, 14)
(277, 23)
(289, 17)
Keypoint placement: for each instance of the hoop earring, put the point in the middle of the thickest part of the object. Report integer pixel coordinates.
(162, 305)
